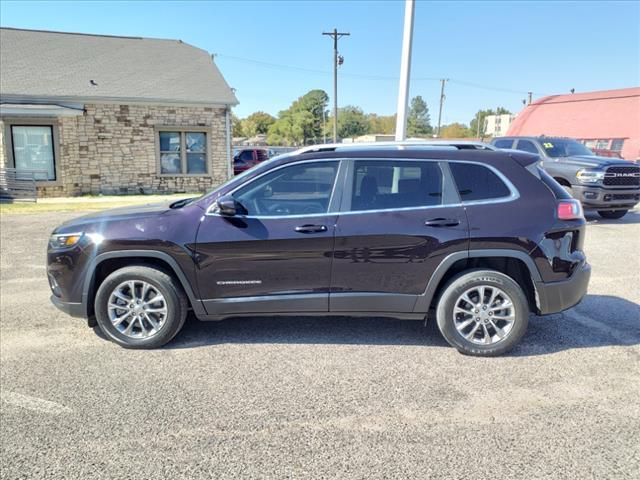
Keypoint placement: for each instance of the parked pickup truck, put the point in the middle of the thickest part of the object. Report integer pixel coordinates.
(609, 185)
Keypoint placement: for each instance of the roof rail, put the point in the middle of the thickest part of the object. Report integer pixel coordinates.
(459, 145)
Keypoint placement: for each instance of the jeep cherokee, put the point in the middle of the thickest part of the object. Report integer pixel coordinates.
(610, 186)
(474, 237)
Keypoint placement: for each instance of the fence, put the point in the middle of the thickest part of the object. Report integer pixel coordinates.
(19, 184)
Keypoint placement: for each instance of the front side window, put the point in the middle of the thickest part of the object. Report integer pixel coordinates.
(382, 185)
(477, 182)
(33, 150)
(183, 152)
(526, 146)
(300, 189)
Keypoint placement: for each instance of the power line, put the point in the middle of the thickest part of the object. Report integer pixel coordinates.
(380, 77)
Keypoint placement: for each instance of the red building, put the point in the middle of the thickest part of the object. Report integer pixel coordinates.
(608, 120)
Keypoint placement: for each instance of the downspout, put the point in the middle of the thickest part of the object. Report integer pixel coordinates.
(228, 127)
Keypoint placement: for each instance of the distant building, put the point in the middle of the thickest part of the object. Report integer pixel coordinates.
(104, 114)
(373, 137)
(607, 120)
(497, 125)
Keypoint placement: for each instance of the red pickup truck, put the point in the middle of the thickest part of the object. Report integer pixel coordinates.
(245, 158)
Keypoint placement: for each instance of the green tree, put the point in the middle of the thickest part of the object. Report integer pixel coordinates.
(419, 120)
(236, 125)
(480, 116)
(352, 122)
(256, 123)
(302, 122)
(385, 124)
(455, 130)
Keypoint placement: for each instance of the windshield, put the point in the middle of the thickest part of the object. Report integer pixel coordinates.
(564, 148)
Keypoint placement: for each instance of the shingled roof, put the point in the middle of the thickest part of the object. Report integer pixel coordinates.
(60, 66)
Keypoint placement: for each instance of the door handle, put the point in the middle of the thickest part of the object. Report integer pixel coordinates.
(442, 222)
(311, 228)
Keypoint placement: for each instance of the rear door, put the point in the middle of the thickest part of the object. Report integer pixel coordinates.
(398, 219)
(275, 256)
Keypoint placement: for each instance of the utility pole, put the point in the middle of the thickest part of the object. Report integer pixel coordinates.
(478, 124)
(442, 82)
(530, 94)
(405, 72)
(336, 35)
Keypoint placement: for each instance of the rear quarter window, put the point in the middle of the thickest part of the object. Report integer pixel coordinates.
(558, 190)
(477, 182)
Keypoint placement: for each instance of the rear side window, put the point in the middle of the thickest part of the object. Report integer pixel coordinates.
(477, 182)
(526, 146)
(504, 143)
(381, 185)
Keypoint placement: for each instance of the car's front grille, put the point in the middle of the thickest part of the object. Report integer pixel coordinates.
(622, 176)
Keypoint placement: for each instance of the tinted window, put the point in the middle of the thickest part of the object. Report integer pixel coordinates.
(300, 189)
(526, 146)
(246, 156)
(395, 184)
(504, 143)
(476, 182)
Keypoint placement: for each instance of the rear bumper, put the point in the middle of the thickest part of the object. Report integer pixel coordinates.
(554, 297)
(73, 309)
(606, 198)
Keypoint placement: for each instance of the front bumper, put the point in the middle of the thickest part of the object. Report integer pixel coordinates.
(554, 297)
(73, 309)
(606, 198)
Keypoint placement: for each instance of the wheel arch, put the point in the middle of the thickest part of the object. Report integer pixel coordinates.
(105, 263)
(514, 263)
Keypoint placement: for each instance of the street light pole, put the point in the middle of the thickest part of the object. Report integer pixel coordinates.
(336, 35)
(405, 72)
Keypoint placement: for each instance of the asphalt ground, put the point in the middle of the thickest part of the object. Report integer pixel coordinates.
(320, 397)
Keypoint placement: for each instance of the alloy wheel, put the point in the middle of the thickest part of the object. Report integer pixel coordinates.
(484, 315)
(137, 309)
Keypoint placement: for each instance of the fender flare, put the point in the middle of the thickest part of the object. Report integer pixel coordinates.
(196, 304)
(423, 301)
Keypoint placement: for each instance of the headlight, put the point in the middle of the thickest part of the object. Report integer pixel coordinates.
(589, 176)
(64, 240)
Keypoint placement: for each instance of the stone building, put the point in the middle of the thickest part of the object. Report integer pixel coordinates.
(112, 115)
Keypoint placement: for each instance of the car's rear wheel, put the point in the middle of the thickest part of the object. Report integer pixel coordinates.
(483, 313)
(140, 307)
(612, 214)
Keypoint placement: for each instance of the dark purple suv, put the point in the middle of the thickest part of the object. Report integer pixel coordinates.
(476, 239)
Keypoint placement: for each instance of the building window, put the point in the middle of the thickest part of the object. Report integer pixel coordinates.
(602, 144)
(617, 144)
(183, 152)
(32, 148)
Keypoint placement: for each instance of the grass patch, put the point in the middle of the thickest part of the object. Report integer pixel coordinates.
(85, 204)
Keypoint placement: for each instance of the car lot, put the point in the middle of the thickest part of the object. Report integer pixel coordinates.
(320, 397)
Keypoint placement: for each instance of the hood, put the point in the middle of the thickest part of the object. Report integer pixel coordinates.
(117, 214)
(593, 161)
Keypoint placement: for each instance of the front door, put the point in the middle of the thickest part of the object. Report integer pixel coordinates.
(276, 255)
(393, 230)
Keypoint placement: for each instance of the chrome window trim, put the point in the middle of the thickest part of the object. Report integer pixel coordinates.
(514, 193)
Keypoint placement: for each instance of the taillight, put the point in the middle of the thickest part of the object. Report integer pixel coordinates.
(569, 210)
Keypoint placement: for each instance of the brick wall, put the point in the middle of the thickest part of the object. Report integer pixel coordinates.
(111, 149)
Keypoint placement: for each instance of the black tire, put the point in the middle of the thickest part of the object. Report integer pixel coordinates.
(612, 214)
(473, 278)
(175, 298)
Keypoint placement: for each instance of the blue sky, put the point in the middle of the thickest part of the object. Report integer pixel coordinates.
(508, 48)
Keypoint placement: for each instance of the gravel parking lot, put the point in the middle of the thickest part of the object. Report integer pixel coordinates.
(320, 397)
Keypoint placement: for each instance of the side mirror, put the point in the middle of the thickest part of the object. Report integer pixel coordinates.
(227, 205)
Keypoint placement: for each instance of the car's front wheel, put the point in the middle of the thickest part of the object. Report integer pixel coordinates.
(483, 313)
(140, 307)
(612, 214)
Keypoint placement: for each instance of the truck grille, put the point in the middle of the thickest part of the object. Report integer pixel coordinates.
(622, 176)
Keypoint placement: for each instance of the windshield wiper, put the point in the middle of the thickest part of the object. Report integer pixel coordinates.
(182, 203)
